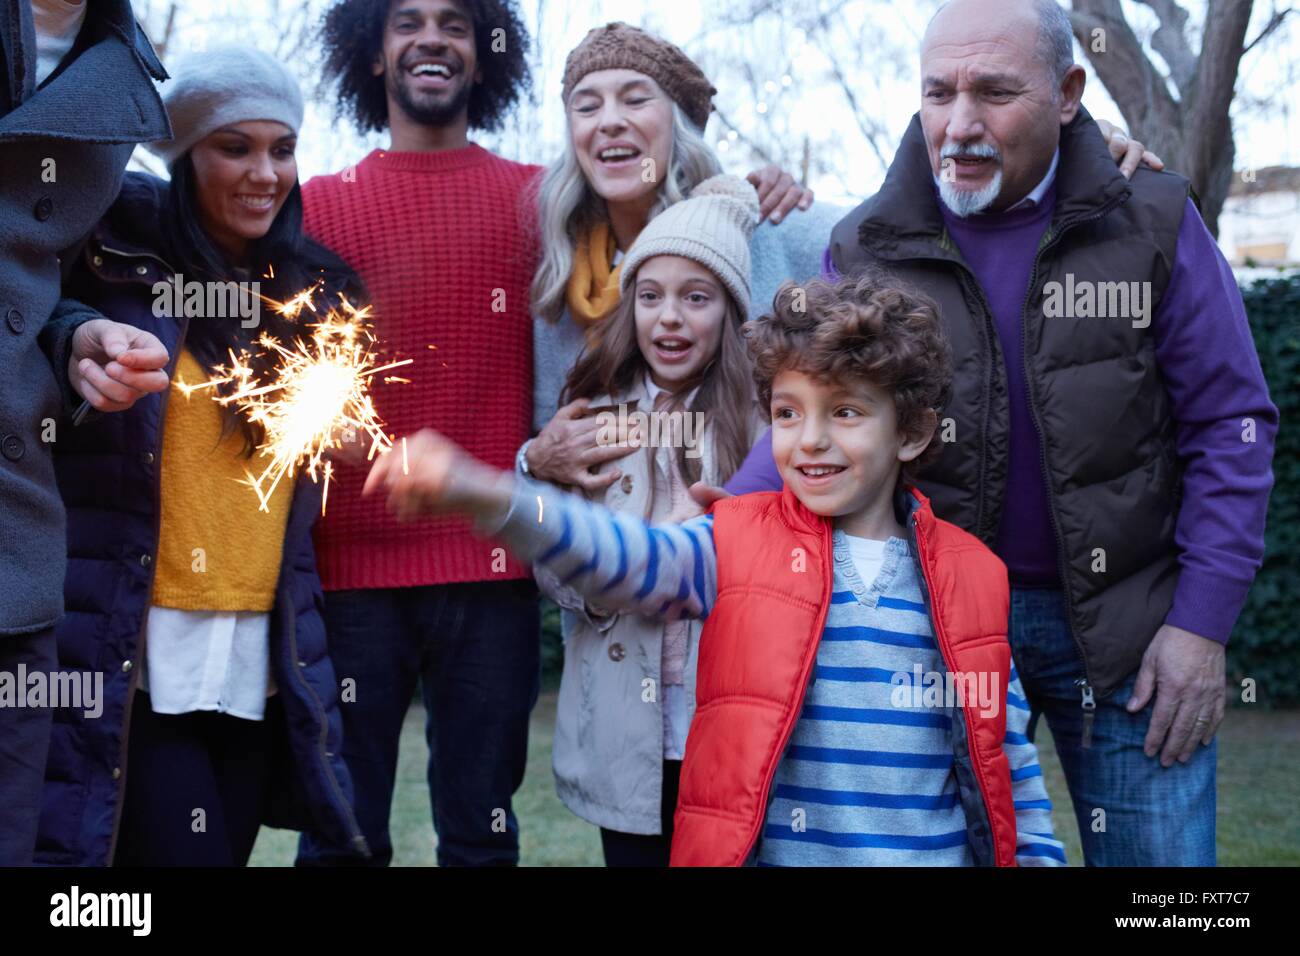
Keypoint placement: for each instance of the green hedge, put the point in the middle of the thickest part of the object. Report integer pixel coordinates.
(1265, 645)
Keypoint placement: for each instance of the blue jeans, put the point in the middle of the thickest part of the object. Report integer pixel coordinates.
(1153, 816)
(474, 649)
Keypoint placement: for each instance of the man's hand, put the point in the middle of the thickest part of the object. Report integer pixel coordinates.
(115, 365)
(1186, 673)
(778, 193)
(1127, 151)
(569, 445)
(427, 474)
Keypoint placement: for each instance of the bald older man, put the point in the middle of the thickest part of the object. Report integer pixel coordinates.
(1110, 433)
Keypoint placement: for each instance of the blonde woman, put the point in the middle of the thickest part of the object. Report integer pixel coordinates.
(636, 107)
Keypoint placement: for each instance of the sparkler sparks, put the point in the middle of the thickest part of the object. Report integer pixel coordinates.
(318, 389)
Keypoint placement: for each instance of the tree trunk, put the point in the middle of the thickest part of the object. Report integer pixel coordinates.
(1191, 131)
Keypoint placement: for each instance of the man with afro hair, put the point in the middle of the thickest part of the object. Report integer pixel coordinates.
(433, 224)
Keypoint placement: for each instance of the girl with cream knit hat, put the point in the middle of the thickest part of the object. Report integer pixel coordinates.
(672, 366)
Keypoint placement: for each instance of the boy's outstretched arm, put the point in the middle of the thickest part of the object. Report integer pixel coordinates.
(617, 561)
(1036, 843)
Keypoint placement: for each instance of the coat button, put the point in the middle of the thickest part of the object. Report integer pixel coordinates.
(12, 447)
(14, 319)
(98, 260)
(44, 208)
(626, 484)
(117, 773)
(141, 270)
(617, 652)
(126, 667)
(147, 458)
(146, 560)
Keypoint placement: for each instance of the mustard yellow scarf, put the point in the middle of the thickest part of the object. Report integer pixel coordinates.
(592, 294)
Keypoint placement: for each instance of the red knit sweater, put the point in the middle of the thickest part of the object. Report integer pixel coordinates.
(438, 239)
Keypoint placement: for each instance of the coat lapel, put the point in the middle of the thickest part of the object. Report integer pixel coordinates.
(105, 95)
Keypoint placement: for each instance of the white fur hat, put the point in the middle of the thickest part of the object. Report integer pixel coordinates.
(224, 85)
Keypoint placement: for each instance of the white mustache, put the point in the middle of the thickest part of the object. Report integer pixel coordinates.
(973, 151)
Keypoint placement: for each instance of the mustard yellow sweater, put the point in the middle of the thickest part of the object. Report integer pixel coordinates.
(217, 550)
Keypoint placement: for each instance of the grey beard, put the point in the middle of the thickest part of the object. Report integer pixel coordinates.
(965, 202)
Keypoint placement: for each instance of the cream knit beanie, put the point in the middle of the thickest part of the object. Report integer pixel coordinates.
(712, 226)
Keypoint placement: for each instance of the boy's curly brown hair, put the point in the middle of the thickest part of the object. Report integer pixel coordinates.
(874, 328)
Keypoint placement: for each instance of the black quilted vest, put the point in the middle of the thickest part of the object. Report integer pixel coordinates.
(1096, 392)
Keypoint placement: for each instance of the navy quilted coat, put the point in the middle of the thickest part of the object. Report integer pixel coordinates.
(108, 472)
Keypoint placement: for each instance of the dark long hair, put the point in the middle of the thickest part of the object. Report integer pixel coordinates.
(284, 262)
(726, 386)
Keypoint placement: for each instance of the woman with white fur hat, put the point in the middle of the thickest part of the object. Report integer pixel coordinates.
(220, 707)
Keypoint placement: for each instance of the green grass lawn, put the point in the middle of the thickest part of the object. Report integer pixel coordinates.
(1259, 765)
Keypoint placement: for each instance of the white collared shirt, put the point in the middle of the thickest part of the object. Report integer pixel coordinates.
(57, 24)
(208, 660)
(1038, 192)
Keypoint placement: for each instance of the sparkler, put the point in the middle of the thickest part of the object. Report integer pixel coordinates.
(319, 388)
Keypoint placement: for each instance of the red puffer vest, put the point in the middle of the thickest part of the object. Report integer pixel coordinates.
(757, 653)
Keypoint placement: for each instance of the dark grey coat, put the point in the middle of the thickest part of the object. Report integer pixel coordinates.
(63, 149)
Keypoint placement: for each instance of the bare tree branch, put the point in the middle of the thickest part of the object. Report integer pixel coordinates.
(754, 146)
(1274, 22)
(1170, 41)
(1123, 67)
(870, 129)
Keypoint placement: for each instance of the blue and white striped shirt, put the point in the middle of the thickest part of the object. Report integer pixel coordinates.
(863, 781)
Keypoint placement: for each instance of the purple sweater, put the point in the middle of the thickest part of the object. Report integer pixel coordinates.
(1212, 374)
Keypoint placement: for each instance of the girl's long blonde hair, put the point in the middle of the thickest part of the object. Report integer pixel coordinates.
(567, 206)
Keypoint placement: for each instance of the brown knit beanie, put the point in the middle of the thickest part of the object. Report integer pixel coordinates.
(618, 46)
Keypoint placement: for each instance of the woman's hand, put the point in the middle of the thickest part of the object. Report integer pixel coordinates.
(427, 474)
(1127, 151)
(570, 444)
(778, 193)
(113, 365)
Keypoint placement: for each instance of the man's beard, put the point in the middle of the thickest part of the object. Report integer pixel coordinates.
(441, 112)
(968, 202)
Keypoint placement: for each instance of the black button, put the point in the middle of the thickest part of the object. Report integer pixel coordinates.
(44, 208)
(12, 447)
(14, 319)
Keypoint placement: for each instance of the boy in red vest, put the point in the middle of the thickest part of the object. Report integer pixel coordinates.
(856, 702)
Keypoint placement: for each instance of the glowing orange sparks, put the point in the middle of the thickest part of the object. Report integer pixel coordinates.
(318, 389)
